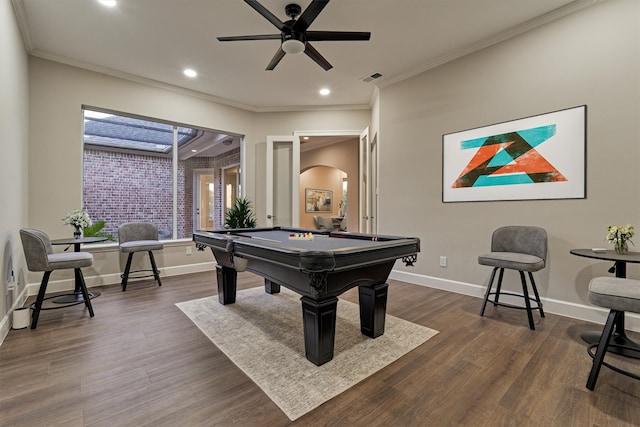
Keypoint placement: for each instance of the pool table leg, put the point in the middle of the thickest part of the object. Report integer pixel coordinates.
(227, 278)
(319, 322)
(373, 308)
(270, 287)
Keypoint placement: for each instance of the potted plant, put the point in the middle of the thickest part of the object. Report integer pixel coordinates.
(240, 216)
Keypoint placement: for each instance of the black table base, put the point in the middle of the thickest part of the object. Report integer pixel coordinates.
(619, 337)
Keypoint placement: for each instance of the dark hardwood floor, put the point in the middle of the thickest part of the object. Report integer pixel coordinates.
(140, 361)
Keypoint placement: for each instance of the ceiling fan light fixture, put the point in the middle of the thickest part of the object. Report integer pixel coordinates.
(293, 46)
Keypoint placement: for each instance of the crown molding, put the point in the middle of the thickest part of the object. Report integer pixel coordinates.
(514, 31)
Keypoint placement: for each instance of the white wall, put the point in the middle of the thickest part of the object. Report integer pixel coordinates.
(14, 118)
(591, 57)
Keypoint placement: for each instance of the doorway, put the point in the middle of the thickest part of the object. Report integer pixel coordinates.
(339, 150)
(230, 187)
(204, 195)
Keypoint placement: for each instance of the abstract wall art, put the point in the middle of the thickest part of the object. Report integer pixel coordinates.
(318, 200)
(538, 157)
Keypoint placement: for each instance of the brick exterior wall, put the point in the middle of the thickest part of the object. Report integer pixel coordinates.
(122, 187)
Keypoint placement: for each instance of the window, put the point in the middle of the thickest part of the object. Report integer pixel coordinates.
(139, 169)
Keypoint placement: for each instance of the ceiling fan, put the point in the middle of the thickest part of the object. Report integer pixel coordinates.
(294, 37)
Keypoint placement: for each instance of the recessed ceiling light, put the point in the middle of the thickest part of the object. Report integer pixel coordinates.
(324, 92)
(190, 73)
(108, 3)
(305, 138)
(194, 151)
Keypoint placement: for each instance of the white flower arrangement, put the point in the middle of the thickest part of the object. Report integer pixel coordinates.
(619, 235)
(77, 218)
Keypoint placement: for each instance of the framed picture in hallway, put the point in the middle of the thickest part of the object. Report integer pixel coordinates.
(533, 158)
(318, 200)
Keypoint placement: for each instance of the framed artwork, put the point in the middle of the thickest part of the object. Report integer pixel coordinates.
(533, 158)
(318, 200)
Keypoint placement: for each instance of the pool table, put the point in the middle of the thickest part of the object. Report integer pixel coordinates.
(317, 265)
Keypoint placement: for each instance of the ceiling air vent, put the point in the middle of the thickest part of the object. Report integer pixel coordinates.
(371, 77)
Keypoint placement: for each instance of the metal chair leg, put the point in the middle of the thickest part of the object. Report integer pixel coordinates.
(85, 293)
(535, 292)
(527, 302)
(486, 295)
(125, 275)
(496, 297)
(39, 300)
(602, 348)
(156, 273)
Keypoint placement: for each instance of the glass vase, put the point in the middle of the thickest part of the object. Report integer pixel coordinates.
(621, 246)
(77, 233)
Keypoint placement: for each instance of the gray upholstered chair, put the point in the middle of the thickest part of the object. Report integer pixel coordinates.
(618, 295)
(519, 248)
(323, 223)
(39, 255)
(139, 237)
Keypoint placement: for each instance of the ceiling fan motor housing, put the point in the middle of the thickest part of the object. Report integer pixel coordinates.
(292, 10)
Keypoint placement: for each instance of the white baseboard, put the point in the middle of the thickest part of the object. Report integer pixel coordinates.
(588, 313)
(5, 322)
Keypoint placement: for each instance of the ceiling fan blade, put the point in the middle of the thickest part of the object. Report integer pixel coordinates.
(276, 59)
(315, 55)
(315, 36)
(265, 12)
(256, 37)
(309, 15)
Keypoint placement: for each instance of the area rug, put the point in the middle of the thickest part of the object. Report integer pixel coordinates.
(262, 334)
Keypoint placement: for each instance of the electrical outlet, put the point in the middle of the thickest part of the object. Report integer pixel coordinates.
(189, 250)
(443, 261)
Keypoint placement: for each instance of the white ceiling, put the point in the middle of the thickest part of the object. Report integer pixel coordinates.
(156, 39)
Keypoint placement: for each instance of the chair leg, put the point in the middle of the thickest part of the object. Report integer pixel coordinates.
(535, 292)
(527, 302)
(156, 273)
(498, 288)
(125, 276)
(486, 295)
(85, 293)
(40, 299)
(602, 348)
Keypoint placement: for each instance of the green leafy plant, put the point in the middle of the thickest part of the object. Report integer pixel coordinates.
(95, 230)
(240, 215)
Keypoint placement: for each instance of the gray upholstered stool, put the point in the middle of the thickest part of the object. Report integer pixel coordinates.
(323, 223)
(139, 237)
(618, 295)
(520, 248)
(39, 255)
